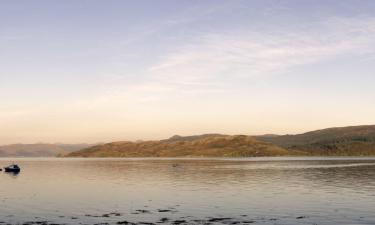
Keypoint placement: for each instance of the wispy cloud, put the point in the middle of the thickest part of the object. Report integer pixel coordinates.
(204, 64)
(251, 53)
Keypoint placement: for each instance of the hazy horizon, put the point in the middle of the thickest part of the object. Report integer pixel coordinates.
(164, 138)
(101, 71)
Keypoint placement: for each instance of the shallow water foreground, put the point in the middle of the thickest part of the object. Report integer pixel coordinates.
(189, 191)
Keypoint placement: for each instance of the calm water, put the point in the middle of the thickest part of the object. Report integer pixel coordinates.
(259, 191)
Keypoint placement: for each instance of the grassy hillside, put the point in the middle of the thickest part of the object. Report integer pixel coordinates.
(39, 150)
(344, 141)
(194, 146)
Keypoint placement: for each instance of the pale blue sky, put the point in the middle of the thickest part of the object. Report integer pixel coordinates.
(93, 71)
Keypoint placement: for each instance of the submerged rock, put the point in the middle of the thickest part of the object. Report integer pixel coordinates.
(300, 217)
(219, 219)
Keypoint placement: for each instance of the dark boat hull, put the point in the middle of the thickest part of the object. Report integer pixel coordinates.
(11, 170)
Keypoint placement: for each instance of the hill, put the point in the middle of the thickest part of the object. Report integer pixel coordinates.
(191, 138)
(338, 141)
(212, 145)
(39, 150)
(342, 141)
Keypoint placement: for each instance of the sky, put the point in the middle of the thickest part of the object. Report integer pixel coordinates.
(92, 71)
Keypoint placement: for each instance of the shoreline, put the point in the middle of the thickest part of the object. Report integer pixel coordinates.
(260, 158)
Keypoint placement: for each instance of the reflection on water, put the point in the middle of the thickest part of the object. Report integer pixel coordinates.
(260, 190)
(12, 174)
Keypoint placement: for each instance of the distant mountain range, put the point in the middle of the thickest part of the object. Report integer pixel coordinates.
(39, 150)
(345, 141)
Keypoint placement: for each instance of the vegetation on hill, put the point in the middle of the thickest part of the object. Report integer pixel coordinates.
(344, 141)
(340, 141)
(194, 146)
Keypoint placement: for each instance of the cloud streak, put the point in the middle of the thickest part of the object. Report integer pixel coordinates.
(250, 53)
(203, 65)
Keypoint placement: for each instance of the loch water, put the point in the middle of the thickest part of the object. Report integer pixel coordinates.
(277, 190)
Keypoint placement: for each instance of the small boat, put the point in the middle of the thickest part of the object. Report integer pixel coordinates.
(12, 169)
